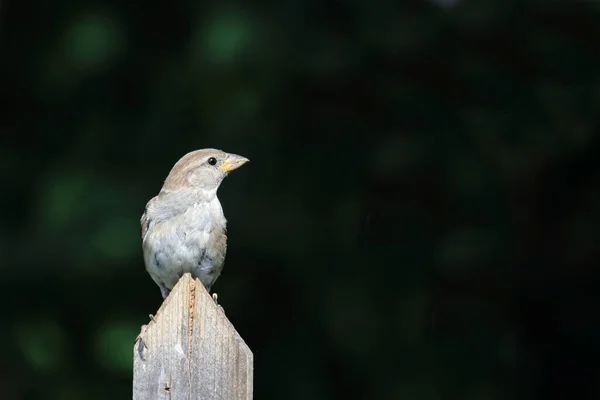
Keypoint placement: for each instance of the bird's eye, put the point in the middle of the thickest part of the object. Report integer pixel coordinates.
(212, 161)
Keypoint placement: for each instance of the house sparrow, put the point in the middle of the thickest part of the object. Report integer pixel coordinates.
(183, 228)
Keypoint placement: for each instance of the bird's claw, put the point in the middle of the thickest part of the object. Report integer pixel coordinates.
(142, 331)
(215, 298)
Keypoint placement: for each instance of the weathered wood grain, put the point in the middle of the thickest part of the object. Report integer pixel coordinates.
(191, 351)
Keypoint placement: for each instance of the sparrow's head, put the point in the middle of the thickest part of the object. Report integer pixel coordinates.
(202, 169)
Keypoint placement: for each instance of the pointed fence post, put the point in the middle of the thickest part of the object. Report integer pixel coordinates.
(191, 351)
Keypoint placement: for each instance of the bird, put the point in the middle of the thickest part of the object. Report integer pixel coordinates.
(183, 228)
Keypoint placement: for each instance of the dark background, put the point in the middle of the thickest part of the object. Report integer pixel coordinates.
(419, 219)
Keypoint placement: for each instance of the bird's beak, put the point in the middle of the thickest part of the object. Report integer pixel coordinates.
(233, 162)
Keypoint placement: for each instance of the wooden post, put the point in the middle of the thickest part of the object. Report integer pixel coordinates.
(191, 351)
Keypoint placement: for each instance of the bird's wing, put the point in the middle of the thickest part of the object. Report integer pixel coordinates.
(145, 220)
(163, 207)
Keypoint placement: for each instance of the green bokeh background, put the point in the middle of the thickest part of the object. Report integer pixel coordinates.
(419, 219)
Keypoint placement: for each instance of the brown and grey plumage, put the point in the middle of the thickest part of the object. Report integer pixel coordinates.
(183, 227)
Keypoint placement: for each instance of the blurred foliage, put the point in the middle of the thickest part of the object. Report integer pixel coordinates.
(419, 219)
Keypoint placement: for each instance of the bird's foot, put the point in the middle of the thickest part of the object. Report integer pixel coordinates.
(141, 345)
(215, 298)
(142, 331)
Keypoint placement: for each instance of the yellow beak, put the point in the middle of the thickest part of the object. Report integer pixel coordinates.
(233, 162)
